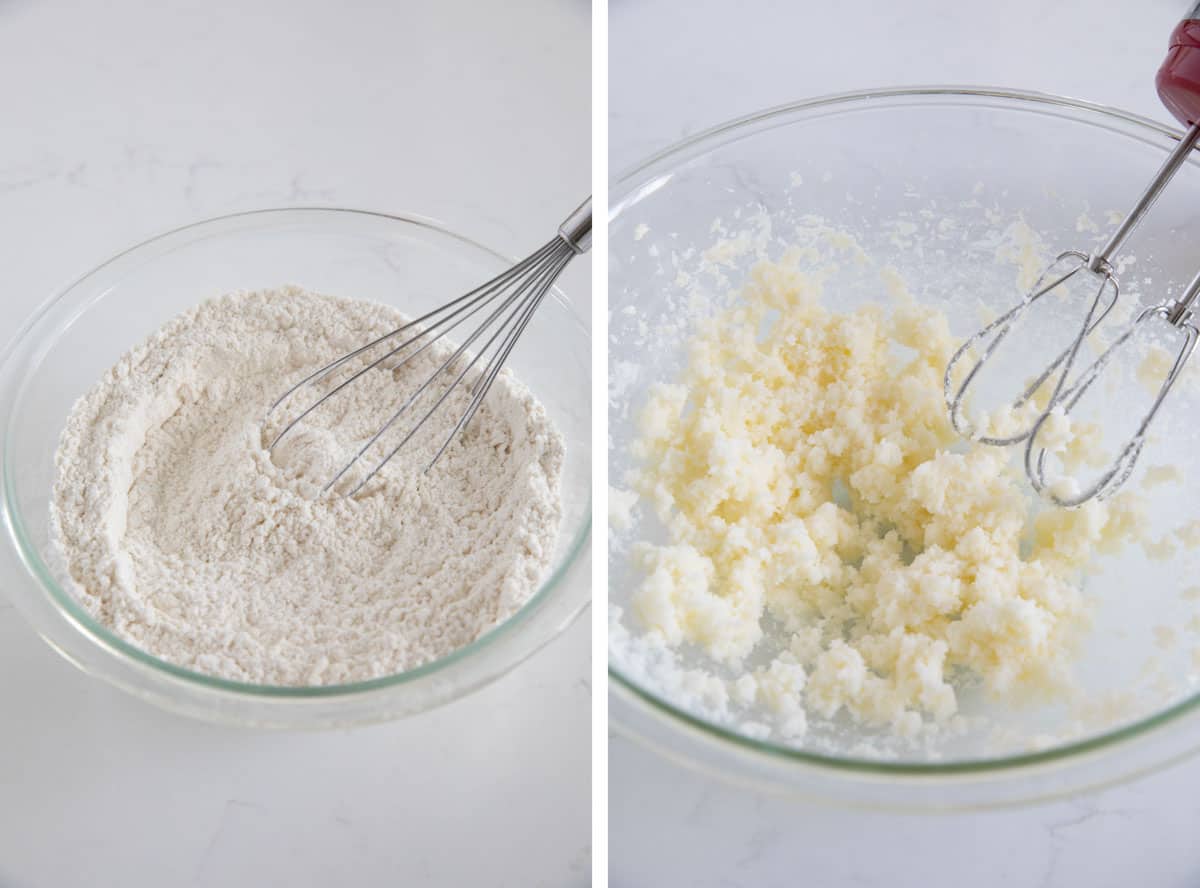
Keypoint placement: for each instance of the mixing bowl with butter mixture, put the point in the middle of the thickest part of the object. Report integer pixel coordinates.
(812, 578)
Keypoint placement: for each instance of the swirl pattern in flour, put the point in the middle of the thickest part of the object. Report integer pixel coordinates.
(185, 536)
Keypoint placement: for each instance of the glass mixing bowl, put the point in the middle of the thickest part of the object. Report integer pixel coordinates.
(923, 178)
(403, 261)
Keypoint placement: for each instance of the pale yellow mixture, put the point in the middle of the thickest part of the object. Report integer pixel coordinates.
(805, 469)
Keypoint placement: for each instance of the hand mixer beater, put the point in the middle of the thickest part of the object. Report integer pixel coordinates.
(1054, 393)
(512, 297)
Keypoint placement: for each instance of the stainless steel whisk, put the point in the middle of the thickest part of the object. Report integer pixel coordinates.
(518, 291)
(1178, 83)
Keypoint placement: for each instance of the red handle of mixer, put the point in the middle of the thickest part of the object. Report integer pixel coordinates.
(1178, 79)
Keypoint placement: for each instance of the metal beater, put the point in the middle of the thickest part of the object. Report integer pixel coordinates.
(1179, 316)
(1178, 85)
(518, 291)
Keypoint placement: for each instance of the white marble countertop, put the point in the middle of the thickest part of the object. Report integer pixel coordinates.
(679, 68)
(124, 119)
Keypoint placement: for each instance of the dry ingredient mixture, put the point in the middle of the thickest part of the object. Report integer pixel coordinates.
(190, 540)
(807, 476)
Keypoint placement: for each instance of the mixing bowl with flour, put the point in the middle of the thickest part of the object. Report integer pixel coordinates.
(152, 532)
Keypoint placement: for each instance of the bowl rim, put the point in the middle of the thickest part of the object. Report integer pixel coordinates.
(721, 736)
(76, 615)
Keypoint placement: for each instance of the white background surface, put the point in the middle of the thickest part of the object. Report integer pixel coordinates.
(122, 119)
(677, 69)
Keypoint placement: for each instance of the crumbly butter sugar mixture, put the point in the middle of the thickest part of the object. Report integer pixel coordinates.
(808, 479)
(186, 536)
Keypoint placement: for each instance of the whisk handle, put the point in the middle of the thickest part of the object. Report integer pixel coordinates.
(576, 229)
(1178, 80)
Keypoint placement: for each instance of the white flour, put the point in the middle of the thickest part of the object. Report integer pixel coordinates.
(190, 540)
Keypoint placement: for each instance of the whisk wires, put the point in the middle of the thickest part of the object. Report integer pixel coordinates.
(510, 300)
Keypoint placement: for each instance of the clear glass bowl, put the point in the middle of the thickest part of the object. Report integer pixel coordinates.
(407, 262)
(955, 163)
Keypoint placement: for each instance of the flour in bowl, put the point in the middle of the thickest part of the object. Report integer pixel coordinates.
(184, 535)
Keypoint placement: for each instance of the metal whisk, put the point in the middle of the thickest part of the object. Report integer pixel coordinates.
(512, 296)
(1178, 84)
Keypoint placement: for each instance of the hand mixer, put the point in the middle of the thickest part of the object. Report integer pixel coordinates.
(1178, 84)
(516, 295)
